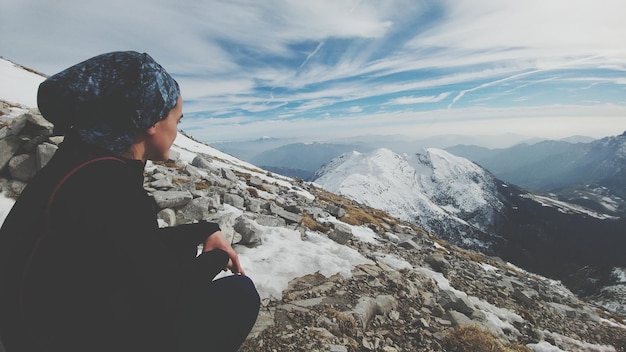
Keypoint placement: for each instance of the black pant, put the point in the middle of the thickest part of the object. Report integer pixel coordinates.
(219, 315)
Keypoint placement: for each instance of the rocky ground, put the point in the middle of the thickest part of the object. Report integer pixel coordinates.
(417, 293)
(427, 306)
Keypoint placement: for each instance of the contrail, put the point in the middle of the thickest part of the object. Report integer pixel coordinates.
(319, 46)
(484, 85)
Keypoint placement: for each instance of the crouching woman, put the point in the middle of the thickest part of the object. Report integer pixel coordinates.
(83, 263)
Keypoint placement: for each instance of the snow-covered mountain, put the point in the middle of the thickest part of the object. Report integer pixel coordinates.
(443, 193)
(463, 203)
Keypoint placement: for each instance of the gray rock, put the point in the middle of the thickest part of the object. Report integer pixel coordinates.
(8, 148)
(44, 153)
(217, 181)
(526, 296)
(171, 199)
(164, 183)
(250, 232)
(270, 220)
(271, 188)
(192, 171)
(168, 216)
(214, 201)
(56, 140)
(40, 125)
(196, 210)
(293, 208)
(255, 181)
(458, 318)
(290, 217)
(336, 211)
(337, 348)
(174, 155)
(229, 175)
(14, 188)
(408, 244)
(449, 300)
(341, 234)
(234, 200)
(23, 167)
(201, 162)
(368, 307)
(254, 205)
(439, 263)
(16, 126)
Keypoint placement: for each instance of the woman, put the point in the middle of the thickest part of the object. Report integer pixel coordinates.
(83, 264)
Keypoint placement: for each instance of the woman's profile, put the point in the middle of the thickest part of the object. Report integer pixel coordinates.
(83, 263)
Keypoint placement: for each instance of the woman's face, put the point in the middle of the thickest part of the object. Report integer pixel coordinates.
(164, 133)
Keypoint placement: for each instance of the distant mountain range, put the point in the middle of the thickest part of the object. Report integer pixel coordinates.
(294, 158)
(590, 174)
(578, 169)
(301, 159)
(464, 204)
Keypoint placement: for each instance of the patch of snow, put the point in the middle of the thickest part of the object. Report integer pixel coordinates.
(6, 204)
(393, 261)
(619, 274)
(285, 255)
(566, 208)
(569, 344)
(365, 234)
(18, 85)
(544, 346)
(488, 268)
(437, 245)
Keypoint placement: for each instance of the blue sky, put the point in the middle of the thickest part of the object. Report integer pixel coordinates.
(332, 69)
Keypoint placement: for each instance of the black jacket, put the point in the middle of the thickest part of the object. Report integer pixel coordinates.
(106, 278)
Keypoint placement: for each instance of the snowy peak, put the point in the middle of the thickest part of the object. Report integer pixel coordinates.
(455, 182)
(443, 193)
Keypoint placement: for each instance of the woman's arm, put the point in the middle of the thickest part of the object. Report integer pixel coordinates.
(186, 236)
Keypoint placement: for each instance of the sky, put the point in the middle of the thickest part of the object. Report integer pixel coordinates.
(332, 69)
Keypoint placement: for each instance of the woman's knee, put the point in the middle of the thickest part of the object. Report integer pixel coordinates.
(243, 287)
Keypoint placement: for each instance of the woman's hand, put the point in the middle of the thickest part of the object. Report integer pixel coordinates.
(218, 241)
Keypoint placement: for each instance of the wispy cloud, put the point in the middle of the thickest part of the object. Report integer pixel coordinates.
(419, 100)
(295, 65)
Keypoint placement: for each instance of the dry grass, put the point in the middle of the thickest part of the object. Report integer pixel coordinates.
(359, 216)
(202, 185)
(471, 255)
(346, 322)
(471, 338)
(169, 163)
(313, 225)
(179, 181)
(253, 192)
(328, 198)
(362, 215)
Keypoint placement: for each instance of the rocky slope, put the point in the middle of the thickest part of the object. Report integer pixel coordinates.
(466, 205)
(411, 292)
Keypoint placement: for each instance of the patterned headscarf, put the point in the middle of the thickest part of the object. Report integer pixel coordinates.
(108, 99)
